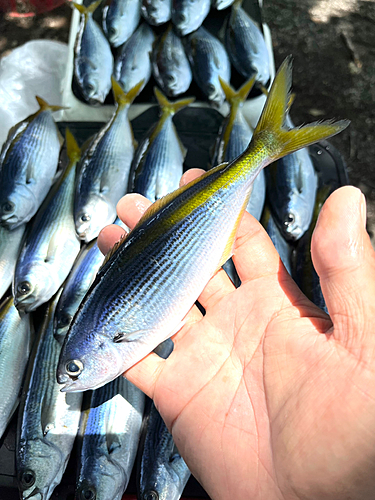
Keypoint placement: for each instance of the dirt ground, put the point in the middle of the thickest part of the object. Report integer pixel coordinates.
(333, 45)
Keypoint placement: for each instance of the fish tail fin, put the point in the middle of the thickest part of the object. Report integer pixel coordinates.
(44, 106)
(168, 107)
(124, 99)
(270, 131)
(87, 10)
(72, 148)
(240, 95)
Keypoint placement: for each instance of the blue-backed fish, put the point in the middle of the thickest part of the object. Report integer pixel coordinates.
(93, 60)
(110, 432)
(283, 248)
(51, 246)
(303, 271)
(170, 65)
(188, 15)
(103, 174)
(158, 163)
(246, 46)
(156, 11)
(153, 277)
(28, 164)
(133, 63)
(15, 343)
(48, 420)
(10, 245)
(209, 60)
(233, 139)
(120, 20)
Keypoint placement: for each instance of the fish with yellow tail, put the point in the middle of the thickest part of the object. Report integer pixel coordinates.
(152, 278)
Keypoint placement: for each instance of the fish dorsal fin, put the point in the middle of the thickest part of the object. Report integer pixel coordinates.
(44, 106)
(86, 11)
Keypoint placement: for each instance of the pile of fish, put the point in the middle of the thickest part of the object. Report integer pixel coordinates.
(166, 39)
(55, 197)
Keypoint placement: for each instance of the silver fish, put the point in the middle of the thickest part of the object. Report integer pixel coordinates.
(158, 162)
(15, 342)
(170, 66)
(188, 15)
(10, 244)
(163, 472)
(209, 60)
(246, 47)
(51, 246)
(93, 60)
(133, 62)
(283, 248)
(28, 163)
(156, 11)
(222, 4)
(110, 435)
(48, 421)
(120, 19)
(104, 169)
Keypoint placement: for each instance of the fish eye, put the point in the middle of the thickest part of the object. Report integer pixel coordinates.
(289, 219)
(181, 18)
(88, 494)
(90, 87)
(74, 367)
(64, 320)
(211, 89)
(24, 288)
(85, 217)
(112, 31)
(8, 206)
(151, 495)
(170, 78)
(28, 479)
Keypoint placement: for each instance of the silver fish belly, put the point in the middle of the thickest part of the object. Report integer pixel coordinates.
(170, 64)
(49, 421)
(188, 15)
(120, 19)
(15, 343)
(28, 163)
(10, 244)
(209, 60)
(110, 435)
(133, 63)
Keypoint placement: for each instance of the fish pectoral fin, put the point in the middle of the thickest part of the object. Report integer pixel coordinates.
(128, 336)
(54, 243)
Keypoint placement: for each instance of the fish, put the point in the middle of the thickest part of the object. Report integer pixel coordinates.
(170, 65)
(151, 279)
(222, 4)
(102, 178)
(51, 246)
(233, 139)
(15, 343)
(209, 60)
(110, 433)
(158, 163)
(188, 15)
(283, 248)
(48, 421)
(132, 63)
(10, 245)
(303, 271)
(156, 11)
(246, 46)
(93, 60)
(163, 473)
(291, 185)
(28, 165)
(120, 20)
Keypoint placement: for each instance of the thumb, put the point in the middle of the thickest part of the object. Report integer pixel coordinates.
(345, 262)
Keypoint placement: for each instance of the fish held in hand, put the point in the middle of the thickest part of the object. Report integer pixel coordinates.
(28, 163)
(153, 277)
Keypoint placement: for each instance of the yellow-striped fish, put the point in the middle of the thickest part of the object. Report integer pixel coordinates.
(148, 285)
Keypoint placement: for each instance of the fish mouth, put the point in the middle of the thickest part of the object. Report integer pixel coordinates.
(36, 494)
(9, 221)
(72, 385)
(24, 306)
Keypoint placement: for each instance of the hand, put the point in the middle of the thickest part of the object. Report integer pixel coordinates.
(266, 396)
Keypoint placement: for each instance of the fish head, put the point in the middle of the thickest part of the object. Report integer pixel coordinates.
(33, 287)
(103, 479)
(181, 16)
(93, 216)
(92, 88)
(18, 207)
(157, 11)
(296, 218)
(61, 322)
(214, 92)
(165, 481)
(88, 361)
(39, 469)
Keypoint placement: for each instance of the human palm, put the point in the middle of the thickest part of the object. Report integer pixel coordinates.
(266, 398)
